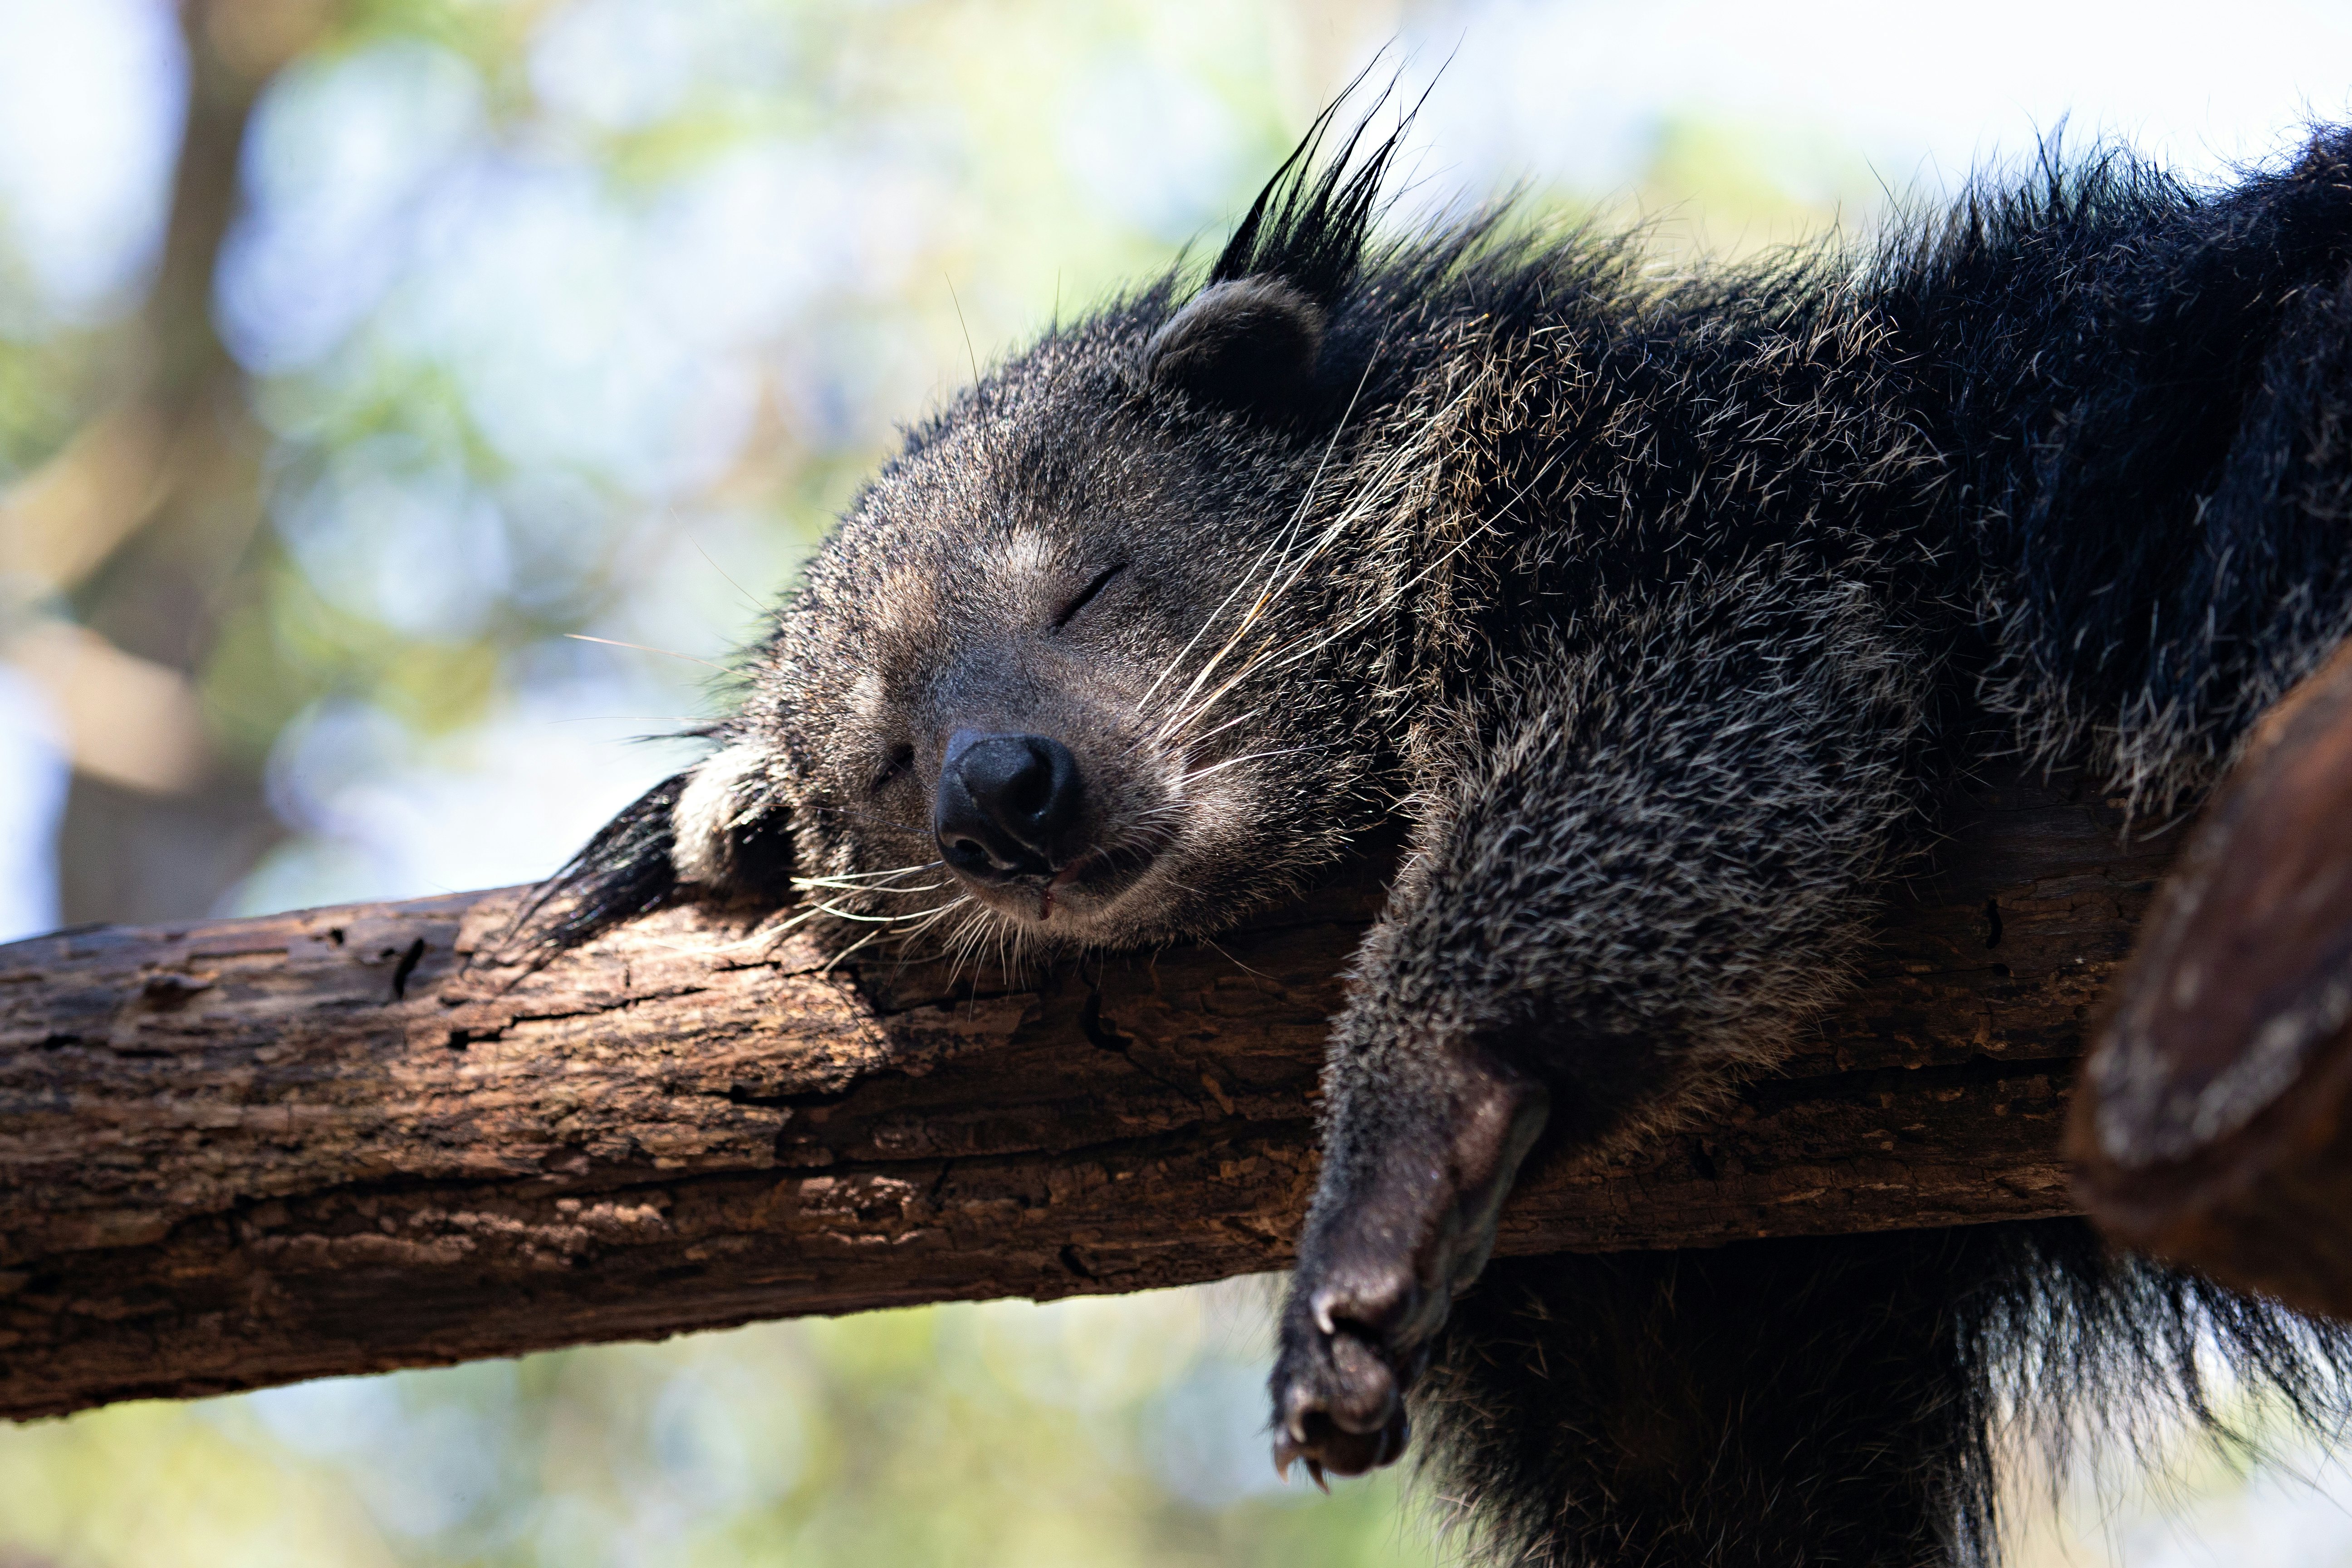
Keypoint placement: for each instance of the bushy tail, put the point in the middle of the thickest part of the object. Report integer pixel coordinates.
(1829, 1400)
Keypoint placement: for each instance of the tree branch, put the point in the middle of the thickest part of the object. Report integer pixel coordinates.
(242, 1152)
(2216, 1126)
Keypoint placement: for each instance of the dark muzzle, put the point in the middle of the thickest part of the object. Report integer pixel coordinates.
(1004, 800)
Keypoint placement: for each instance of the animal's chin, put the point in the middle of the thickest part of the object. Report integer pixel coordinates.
(1096, 898)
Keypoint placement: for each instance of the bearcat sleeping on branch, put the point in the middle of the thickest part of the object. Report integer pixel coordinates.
(1663, 616)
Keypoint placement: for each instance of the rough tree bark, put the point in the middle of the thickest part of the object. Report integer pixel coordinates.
(247, 1151)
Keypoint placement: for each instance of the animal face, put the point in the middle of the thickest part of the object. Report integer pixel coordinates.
(1085, 665)
(1064, 675)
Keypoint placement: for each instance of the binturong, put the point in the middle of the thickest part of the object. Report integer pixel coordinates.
(1661, 616)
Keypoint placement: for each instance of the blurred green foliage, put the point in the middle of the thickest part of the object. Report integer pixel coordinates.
(1000, 1435)
(626, 302)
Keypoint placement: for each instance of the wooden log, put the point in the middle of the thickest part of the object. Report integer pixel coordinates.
(241, 1153)
(2217, 1126)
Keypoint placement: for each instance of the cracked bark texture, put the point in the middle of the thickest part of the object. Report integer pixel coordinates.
(243, 1152)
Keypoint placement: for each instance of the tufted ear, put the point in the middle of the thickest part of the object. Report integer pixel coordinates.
(1248, 344)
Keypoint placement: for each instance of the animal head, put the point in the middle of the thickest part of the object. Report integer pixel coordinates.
(1067, 673)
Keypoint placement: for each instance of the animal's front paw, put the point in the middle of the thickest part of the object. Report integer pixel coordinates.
(1399, 1228)
(1340, 1379)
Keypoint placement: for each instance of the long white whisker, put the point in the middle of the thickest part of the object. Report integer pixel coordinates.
(842, 914)
(641, 647)
(1283, 539)
(1249, 757)
(1156, 738)
(1177, 722)
(846, 878)
(932, 917)
(1207, 735)
(1347, 628)
(1376, 485)
(845, 952)
(1274, 660)
(959, 945)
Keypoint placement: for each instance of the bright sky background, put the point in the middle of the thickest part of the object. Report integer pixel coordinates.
(1925, 92)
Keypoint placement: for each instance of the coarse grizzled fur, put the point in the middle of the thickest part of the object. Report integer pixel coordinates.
(1663, 614)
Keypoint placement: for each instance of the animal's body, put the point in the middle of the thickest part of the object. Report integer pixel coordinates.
(1663, 615)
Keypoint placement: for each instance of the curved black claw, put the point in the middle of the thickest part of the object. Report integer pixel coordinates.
(1347, 1359)
(1324, 1445)
(1397, 1232)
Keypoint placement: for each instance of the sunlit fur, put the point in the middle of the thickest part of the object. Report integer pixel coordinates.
(1662, 613)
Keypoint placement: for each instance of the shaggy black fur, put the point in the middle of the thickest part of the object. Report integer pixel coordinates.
(2141, 392)
(1663, 616)
(1822, 1401)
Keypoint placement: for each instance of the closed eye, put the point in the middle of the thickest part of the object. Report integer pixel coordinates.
(1086, 595)
(901, 757)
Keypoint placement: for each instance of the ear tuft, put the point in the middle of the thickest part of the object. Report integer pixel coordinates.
(1247, 344)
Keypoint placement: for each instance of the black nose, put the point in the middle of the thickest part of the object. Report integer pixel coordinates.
(1004, 800)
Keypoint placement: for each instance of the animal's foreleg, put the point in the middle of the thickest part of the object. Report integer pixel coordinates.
(1420, 1156)
(1645, 862)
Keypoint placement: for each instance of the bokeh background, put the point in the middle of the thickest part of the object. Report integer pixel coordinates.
(360, 357)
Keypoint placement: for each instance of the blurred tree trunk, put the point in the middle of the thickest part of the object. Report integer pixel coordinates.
(144, 520)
